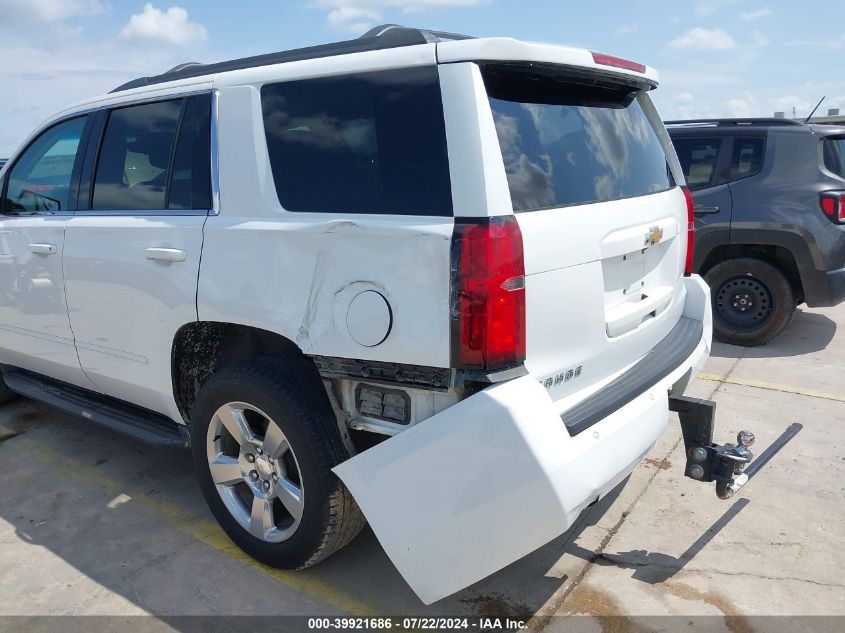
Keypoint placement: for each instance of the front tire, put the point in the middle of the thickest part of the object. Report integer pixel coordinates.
(264, 440)
(752, 301)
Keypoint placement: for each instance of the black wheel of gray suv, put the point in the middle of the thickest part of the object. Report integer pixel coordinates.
(264, 440)
(752, 301)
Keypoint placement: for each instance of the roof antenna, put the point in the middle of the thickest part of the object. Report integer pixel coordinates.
(814, 110)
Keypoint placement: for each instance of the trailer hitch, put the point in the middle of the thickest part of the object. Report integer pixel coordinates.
(731, 466)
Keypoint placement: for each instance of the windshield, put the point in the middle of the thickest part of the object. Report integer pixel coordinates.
(834, 155)
(566, 143)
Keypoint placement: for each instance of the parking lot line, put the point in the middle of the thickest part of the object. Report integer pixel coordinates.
(203, 530)
(728, 380)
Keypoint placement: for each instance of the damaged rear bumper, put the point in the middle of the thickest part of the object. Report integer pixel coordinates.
(492, 478)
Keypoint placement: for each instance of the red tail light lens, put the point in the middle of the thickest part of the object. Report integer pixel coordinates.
(833, 205)
(618, 62)
(488, 301)
(690, 232)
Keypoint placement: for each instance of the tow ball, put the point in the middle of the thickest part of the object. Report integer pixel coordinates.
(731, 466)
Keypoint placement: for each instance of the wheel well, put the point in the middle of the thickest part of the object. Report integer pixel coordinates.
(204, 347)
(778, 256)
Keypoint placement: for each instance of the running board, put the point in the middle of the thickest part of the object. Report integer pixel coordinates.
(141, 424)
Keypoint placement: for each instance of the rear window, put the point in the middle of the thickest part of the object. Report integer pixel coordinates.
(365, 143)
(567, 143)
(834, 155)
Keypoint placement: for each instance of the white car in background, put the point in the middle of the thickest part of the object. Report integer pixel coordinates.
(439, 282)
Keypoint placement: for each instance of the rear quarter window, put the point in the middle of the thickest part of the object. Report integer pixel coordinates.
(834, 155)
(747, 157)
(566, 143)
(365, 143)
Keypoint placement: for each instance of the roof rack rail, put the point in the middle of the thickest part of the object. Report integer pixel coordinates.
(727, 122)
(381, 37)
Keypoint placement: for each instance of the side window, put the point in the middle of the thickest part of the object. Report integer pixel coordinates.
(834, 155)
(747, 157)
(40, 179)
(365, 143)
(190, 182)
(132, 169)
(698, 158)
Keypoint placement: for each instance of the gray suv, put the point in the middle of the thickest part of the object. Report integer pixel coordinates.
(769, 218)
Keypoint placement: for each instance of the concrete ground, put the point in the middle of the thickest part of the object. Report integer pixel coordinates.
(93, 524)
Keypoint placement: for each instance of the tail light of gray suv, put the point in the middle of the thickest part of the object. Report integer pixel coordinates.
(833, 205)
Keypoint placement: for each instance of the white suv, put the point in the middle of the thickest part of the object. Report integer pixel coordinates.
(438, 282)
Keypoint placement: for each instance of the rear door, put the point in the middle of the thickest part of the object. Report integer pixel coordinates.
(706, 161)
(604, 225)
(132, 255)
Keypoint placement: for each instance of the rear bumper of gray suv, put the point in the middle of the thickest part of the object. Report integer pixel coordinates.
(824, 289)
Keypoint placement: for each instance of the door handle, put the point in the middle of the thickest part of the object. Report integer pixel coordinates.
(166, 254)
(706, 210)
(43, 249)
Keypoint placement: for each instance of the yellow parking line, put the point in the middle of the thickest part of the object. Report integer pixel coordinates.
(203, 530)
(772, 387)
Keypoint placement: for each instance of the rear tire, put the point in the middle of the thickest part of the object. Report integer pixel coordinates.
(752, 301)
(273, 491)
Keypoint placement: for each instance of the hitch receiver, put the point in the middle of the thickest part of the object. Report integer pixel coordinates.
(729, 465)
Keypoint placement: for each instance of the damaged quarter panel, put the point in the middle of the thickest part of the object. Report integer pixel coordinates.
(297, 273)
(305, 275)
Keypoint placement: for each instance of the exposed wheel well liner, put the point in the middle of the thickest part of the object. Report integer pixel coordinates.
(778, 256)
(204, 347)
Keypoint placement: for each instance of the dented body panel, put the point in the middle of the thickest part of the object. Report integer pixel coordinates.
(496, 476)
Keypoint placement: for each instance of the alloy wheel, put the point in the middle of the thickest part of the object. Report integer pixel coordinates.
(255, 471)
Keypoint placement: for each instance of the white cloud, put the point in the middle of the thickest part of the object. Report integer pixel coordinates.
(15, 11)
(42, 76)
(802, 106)
(358, 16)
(353, 19)
(699, 39)
(684, 106)
(758, 40)
(171, 26)
(756, 14)
(744, 107)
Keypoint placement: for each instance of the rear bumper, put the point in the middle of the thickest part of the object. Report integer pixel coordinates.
(825, 288)
(483, 483)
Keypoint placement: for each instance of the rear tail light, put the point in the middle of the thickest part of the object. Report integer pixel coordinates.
(690, 232)
(618, 62)
(833, 205)
(488, 294)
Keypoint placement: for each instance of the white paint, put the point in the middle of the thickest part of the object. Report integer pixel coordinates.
(125, 308)
(34, 328)
(476, 167)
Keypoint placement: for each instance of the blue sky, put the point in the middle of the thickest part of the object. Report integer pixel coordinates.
(715, 57)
